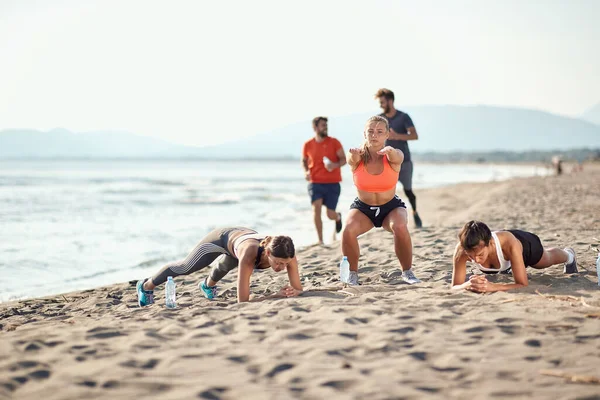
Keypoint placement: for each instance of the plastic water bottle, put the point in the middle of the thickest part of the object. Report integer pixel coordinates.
(170, 293)
(345, 270)
(327, 162)
(598, 268)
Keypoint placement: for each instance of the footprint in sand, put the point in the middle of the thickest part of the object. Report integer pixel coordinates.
(41, 373)
(356, 321)
(279, 369)
(509, 329)
(353, 336)
(338, 385)
(299, 336)
(104, 333)
(419, 355)
(403, 330)
(212, 393)
(149, 364)
(533, 343)
(507, 375)
(238, 359)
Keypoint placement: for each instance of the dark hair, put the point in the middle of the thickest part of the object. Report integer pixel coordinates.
(473, 233)
(316, 121)
(279, 246)
(386, 93)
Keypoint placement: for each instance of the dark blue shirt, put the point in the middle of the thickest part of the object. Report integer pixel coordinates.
(400, 124)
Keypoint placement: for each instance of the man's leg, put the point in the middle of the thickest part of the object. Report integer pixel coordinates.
(330, 201)
(405, 178)
(317, 205)
(316, 199)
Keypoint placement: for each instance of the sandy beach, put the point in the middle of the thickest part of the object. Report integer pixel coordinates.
(382, 340)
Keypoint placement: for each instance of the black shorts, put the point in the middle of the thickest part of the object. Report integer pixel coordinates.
(532, 246)
(329, 192)
(377, 213)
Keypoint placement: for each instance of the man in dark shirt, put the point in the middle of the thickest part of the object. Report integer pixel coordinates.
(402, 130)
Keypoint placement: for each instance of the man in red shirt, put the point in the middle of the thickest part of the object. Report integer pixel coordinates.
(322, 158)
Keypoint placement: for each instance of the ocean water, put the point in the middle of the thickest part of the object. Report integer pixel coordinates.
(70, 225)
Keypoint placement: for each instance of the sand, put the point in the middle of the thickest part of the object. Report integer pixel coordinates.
(382, 340)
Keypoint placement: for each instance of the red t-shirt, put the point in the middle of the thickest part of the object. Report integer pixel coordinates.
(315, 151)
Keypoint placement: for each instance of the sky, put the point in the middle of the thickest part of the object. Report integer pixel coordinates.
(206, 72)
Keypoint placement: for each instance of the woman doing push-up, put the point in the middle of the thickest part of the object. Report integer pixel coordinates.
(237, 246)
(503, 252)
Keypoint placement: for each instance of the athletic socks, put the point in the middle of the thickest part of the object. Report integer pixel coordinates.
(570, 256)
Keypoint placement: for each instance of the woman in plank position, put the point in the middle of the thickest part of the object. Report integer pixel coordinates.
(241, 247)
(503, 252)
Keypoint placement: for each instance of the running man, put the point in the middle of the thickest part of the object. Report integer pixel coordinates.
(375, 169)
(237, 246)
(503, 252)
(324, 177)
(402, 130)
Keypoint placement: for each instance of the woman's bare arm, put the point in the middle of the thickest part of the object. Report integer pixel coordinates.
(459, 269)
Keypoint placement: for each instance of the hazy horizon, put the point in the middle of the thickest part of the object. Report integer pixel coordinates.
(187, 71)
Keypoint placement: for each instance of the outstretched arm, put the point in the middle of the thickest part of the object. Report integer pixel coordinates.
(395, 156)
(354, 157)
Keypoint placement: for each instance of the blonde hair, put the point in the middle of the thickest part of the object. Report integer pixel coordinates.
(279, 246)
(366, 156)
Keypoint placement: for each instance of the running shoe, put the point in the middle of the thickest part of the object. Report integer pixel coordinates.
(145, 297)
(338, 224)
(353, 278)
(210, 292)
(409, 277)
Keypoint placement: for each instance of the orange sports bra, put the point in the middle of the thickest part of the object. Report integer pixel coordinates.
(382, 182)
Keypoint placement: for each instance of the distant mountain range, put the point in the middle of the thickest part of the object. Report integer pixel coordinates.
(62, 143)
(442, 129)
(592, 115)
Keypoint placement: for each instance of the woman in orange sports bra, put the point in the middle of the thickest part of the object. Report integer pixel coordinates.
(375, 168)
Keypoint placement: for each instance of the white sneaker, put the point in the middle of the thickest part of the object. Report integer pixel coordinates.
(409, 277)
(353, 279)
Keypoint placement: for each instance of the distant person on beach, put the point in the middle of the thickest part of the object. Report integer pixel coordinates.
(322, 158)
(503, 252)
(238, 246)
(557, 163)
(375, 169)
(402, 130)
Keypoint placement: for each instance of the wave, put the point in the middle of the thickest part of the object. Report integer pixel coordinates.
(208, 202)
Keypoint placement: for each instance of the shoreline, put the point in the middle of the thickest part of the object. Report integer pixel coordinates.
(300, 227)
(427, 200)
